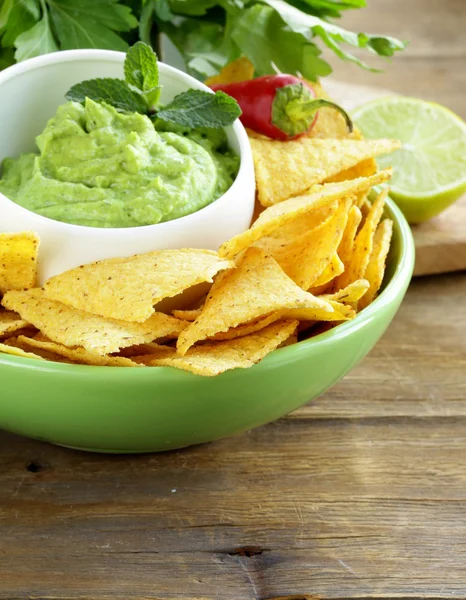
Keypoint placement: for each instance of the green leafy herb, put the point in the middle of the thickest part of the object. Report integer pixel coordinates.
(141, 71)
(35, 41)
(310, 26)
(196, 108)
(115, 92)
(140, 93)
(287, 35)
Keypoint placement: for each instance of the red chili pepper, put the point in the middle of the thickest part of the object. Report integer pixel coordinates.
(282, 107)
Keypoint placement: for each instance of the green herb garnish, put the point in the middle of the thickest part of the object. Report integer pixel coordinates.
(273, 34)
(140, 92)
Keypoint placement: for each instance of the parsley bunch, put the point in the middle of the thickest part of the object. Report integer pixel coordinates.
(274, 34)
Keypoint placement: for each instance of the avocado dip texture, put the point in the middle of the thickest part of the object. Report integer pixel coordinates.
(101, 168)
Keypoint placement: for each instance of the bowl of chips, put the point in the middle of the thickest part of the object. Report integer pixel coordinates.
(219, 342)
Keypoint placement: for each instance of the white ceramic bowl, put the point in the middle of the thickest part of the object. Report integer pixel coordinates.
(30, 93)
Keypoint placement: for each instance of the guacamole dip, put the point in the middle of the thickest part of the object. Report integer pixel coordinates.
(101, 168)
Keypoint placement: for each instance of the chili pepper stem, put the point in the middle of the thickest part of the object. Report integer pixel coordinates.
(297, 110)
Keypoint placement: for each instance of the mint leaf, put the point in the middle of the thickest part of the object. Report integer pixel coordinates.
(36, 41)
(91, 23)
(196, 108)
(115, 92)
(141, 69)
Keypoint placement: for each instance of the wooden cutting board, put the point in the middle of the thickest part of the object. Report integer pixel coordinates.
(441, 242)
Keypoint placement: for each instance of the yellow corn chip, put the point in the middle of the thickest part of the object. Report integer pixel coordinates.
(14, 351)
(127, 289)
(376, 268)
(18, 261)
(293, 339)
(365, 207)
(304, 257)
(18, 342)
(286, 169)
(345, 249)
(277, 216)
(216, 357)
(348, 295)
(365, 168)
(238, 70)
(187, 315)
(72, 327)
(341, 312)
(10, 322)
(334, 268)
(246, 328)
(363, 244)
(257, 288)
(79, 355)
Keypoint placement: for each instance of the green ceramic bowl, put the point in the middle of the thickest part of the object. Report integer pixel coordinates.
(114, 409)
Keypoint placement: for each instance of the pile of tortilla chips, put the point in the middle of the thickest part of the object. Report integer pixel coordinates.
(313, 257)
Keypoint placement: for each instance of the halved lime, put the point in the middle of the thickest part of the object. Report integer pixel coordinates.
(430, 167)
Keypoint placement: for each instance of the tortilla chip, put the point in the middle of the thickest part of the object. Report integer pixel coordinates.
(255, 289)
(376, 268)
(365, 168)
(258, 209)
(238, 70)
(304, 256)
(14, 351)
(10, 322)
(128, 288)
(78, 355)
(286, 169)
(318, 197)
(351, 294)
(365, 206)
(334, 268)
(246, 328)
(341, 312)
(345, 249)
(187, 315)
(216, 357)
(72, 327)
(18, 342)
(293, 339)
(363, 244)
(18, 261)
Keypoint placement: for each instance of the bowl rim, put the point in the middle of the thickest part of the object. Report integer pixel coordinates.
(114, 56)
(399, 280)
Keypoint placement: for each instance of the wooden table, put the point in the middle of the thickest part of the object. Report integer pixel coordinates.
(360, 495)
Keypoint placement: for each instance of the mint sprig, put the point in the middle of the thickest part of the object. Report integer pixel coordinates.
(140, 92)
(142, 72)
(196, 108)
(115, 92)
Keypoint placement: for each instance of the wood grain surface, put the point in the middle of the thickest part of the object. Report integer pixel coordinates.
(361, 494)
